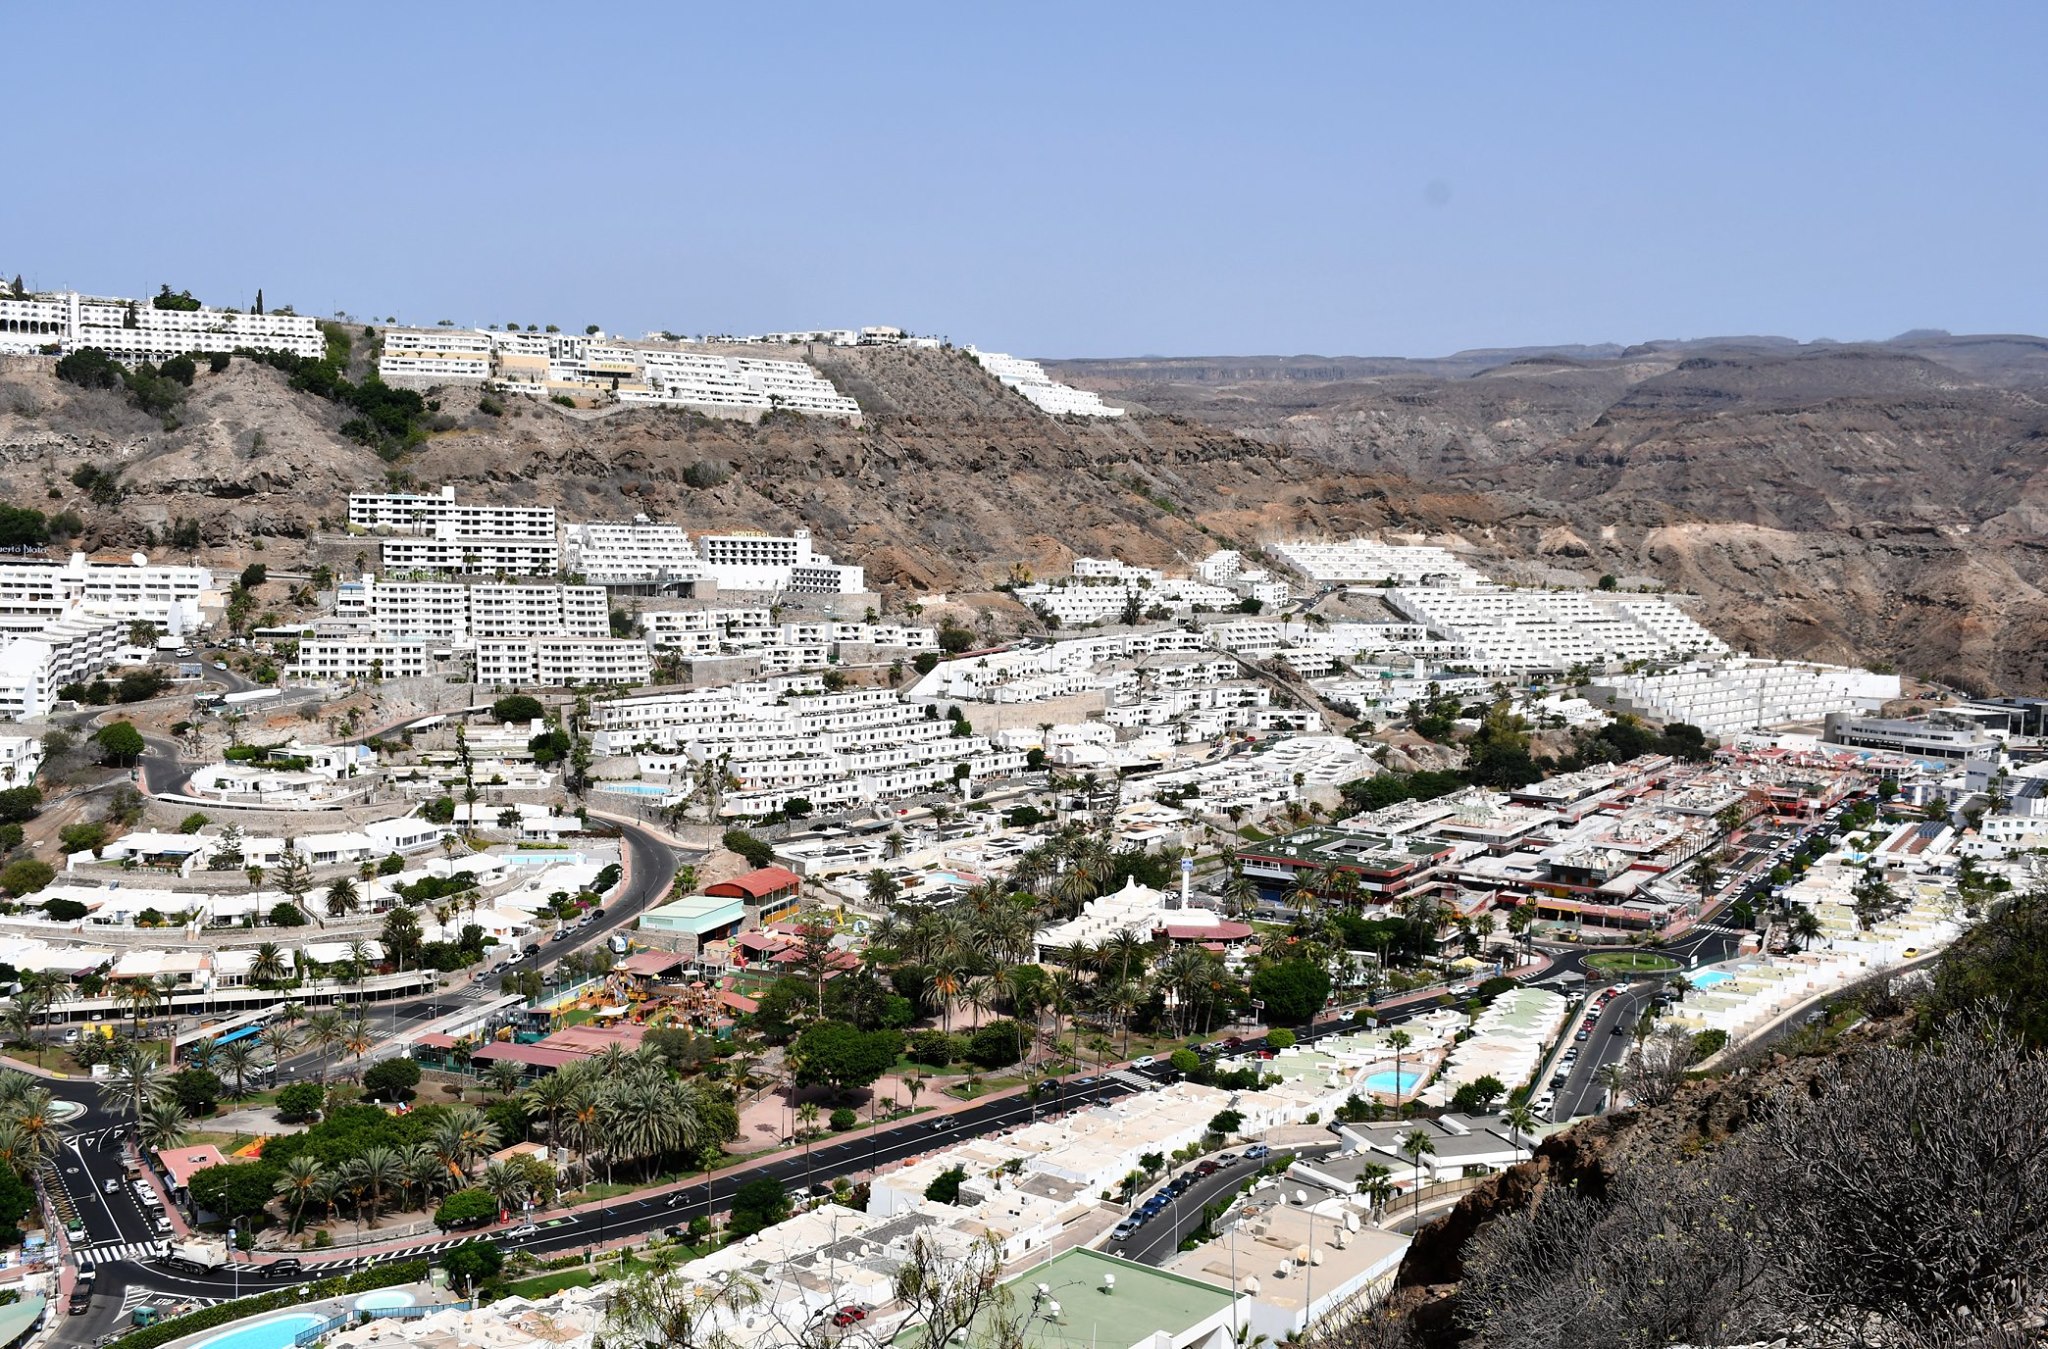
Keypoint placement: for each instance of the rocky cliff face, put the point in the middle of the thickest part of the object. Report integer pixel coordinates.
(1876, 503)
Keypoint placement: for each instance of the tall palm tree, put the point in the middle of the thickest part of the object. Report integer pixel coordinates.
(548, 1098)
(238, 1060)
(425, 1177)
(138, 1078)
(1521, 1122)
(162, 1124)
(142, 1000)
(1417, 1145)
(506, 1184)
(19, 1022)
(202, 1052)
(358, 1037)
(34, 1114)
(279, 1038)
(941, 989)
(325, 1031)
(299, 1185)
(1400, 1040)
(382, 1172)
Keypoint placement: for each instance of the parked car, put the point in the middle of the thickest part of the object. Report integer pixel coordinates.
(1143, 1061)
(847, 1316)
(1257, 1152)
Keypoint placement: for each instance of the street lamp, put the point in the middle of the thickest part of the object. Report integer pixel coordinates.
(237, 1269)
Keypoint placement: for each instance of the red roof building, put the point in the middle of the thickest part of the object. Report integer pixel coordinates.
(759, 886)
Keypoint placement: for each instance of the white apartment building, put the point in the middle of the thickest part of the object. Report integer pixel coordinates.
(635, 553)
(1511, 631)
(540, 364)
(1370, 562)
(1029, 379)
(73, 648)
(1727, 698)
(560, 662)
(21, 756)
(451, 555)
(778, 741)
(35, 593)
(415, 358)
(1079, 602)
(795, 386)
(767, 562)
(356, 656)
(73, 321)
(428, 513)
(444, 611)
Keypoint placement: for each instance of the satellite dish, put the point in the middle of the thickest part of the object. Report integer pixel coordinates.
(1052, 1310)
(1109, 1283)
(1316, 1256)
(1301, 1196)
(1251, 1285)
(139, 559)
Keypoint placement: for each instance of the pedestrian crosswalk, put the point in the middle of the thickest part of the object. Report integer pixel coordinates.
(137, 1295)
(102, 1252)
(1131, 1079)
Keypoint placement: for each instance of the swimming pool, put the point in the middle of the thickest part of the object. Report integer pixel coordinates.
(635, 788)
(1387, 1084)
(384, 1299)
(1709, 978)
(274, 1332)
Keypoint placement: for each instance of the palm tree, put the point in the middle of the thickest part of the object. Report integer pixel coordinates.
(1417, 1145)
(380, 1170)
(357, 1037)
(299, 1185)
(1376, 1183)
(506, 1184)
(137, 1079)
(202, 1052)
(142, 998)
(1804, 925)
(280, 1038)
(1400, 1040)
(1613, 1077)
(425, 1176)
(548, 1098)
(505, 1077)
(342, 898)
(269, 965)
(239, 1060)
(162, 1125)
(1521, 1122)
(324, 1032)
(33, 1113)
(20, 1023)
(942, 988)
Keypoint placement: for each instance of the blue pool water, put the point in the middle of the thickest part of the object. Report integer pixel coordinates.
(1708, 978)
(275, 1332)
(635, 788)
(543, 859)
(1386, 1082)
(384, 1299)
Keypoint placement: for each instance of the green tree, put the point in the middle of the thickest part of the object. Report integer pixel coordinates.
(761, 1202)
(119, 742)
(842, 1056)
(1293, 990)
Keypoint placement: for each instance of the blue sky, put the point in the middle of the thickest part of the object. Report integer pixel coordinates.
(1084, 180)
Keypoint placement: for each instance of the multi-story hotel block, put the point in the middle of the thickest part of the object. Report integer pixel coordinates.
(554, 662)
(646, 373)
(33, 594)
(132, 331)
(773, 563)
(637, 555)
(429, 512)
(1030, 381)
(75, 647)
(451, 554)
(449, 612)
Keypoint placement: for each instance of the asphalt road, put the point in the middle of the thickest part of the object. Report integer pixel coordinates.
(1159, 1239)
(1582, 1092)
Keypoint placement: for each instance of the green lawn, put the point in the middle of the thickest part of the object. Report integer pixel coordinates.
(1630, 962)
(554, 1281)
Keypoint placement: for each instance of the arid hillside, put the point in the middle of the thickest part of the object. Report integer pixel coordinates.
(1877, 503)
(1882, 502)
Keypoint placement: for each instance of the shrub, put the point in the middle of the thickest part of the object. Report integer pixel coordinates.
(844, 1119)
(945, 1187)
(1226, 1122)
(25, 876)
(466, 1208)
(90, 368)
(300, 1101)
(759, 1203)
(705, 473)
(518, 707)
(1280, 1039)
(997, 1045)
(65, 910)
(82, 837)
(392, 1080)
(934, 1048)
(193, 823)
(472, 1262)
